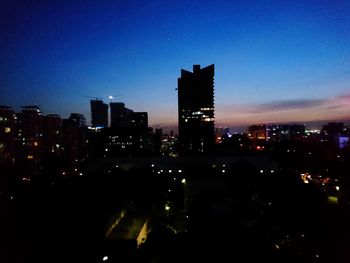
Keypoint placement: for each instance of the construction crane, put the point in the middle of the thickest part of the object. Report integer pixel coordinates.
(113, 96)
(96, 98)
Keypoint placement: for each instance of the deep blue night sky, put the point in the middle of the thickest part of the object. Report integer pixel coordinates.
(274, 62)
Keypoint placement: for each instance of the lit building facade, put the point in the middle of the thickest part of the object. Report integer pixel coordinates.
(196, 110)
(8, 121)
(257, 132)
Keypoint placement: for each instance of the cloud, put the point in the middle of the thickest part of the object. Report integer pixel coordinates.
(295, 110)
(344, 96)
(289, 105)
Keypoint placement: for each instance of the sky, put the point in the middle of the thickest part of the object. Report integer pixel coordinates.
(275, 61)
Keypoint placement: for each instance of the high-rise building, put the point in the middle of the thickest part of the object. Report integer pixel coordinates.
(196, 110)
(99, 113)
(71, 139)
(7, 133)
(129, 131)
(79, 119)
(51, 134)
(120, 116)
(30, 138)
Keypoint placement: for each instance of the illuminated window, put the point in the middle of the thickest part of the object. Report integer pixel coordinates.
(7, 129)
(36, 143)
(30, 157)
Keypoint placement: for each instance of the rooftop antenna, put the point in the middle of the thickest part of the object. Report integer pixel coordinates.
(96, 98)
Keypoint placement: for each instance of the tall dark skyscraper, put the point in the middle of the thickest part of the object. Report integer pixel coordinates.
(196, 109)
(99, 113)
(120, 116)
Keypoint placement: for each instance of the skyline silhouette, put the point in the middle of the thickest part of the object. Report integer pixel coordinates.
(285, 62)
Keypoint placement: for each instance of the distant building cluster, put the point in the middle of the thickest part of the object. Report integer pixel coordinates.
(334, 133)
(28, 137)
(277, 132)
(31, 140)
(127, 135)
(120, 116)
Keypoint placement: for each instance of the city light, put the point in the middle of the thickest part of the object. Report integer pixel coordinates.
(105, 258)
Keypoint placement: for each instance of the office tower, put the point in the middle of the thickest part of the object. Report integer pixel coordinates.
(120, 116)
(196, 110)
(99, 113)
(129, 131)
